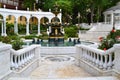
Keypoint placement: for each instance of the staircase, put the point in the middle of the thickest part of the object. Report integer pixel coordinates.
(98, 30)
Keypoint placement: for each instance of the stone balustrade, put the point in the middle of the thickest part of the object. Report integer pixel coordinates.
(99, 58)
(21, 58)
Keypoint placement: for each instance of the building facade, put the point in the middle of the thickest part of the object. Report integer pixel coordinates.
(11, 4)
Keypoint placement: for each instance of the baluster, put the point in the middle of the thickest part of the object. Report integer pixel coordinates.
(25, 60)
(110, 61)
(105, 63)
(97, 60)
(101, 62)
(85, 54)
(22, 59)
(82, 54)
(12, 61)
(26, 55)
(94, 58)
(16, 62)
(91, 57)
(30, 55)
(19, 61)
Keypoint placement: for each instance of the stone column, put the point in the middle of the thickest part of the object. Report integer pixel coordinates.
(112, 18)
(38, 27)
(27, 27)
(117, 57)
(2, 29)
(16, 26)
(105, 18)
(49, 26)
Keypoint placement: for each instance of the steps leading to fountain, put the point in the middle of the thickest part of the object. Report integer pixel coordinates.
(86, 78)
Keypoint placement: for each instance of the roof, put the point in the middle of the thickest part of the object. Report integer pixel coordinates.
(117, 7)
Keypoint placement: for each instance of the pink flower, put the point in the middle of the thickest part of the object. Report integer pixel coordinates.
(100, 38)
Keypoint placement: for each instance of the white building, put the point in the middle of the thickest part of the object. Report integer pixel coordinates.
(112, 16)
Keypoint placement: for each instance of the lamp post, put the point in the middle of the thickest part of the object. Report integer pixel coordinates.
(78, 18)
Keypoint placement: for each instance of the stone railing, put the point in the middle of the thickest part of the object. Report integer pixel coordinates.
(99, 58)
(21, 58)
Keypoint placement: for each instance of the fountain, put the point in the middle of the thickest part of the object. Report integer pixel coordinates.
(56, 34)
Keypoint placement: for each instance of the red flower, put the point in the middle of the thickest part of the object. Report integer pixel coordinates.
(105, 49)
(113, 30)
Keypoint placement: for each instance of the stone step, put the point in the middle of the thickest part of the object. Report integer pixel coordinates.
(87, 78)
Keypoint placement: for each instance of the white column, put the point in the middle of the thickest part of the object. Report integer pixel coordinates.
(38, 27)
(16, 26)
(112, 18)
(27, 27)
(49, 26)
(2, 29)
(105, 18)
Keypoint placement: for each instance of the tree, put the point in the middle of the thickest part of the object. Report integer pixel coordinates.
(28, 4)
(65, 5)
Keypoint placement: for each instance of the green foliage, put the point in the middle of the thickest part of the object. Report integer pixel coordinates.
(10, 28)
(0, 38)
(28, 4)
(29, 36)
(22, 28)
(6, 39)
(14, 37)
(71, 31)
(17, 44)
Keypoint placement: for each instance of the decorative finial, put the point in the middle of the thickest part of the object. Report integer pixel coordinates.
(27, 9)
(4, 6)
(56, 9)
(16, 7)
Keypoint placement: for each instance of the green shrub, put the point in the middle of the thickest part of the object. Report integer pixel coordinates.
(71, 31)
(6, 39)
(17, 44)
(30, 37)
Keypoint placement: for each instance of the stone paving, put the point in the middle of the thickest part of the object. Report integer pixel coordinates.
(65, 69)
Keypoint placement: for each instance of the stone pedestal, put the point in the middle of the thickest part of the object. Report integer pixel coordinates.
(4, 60)
(117, 57)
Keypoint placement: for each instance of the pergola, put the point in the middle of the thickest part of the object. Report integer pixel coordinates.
(112, 16)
